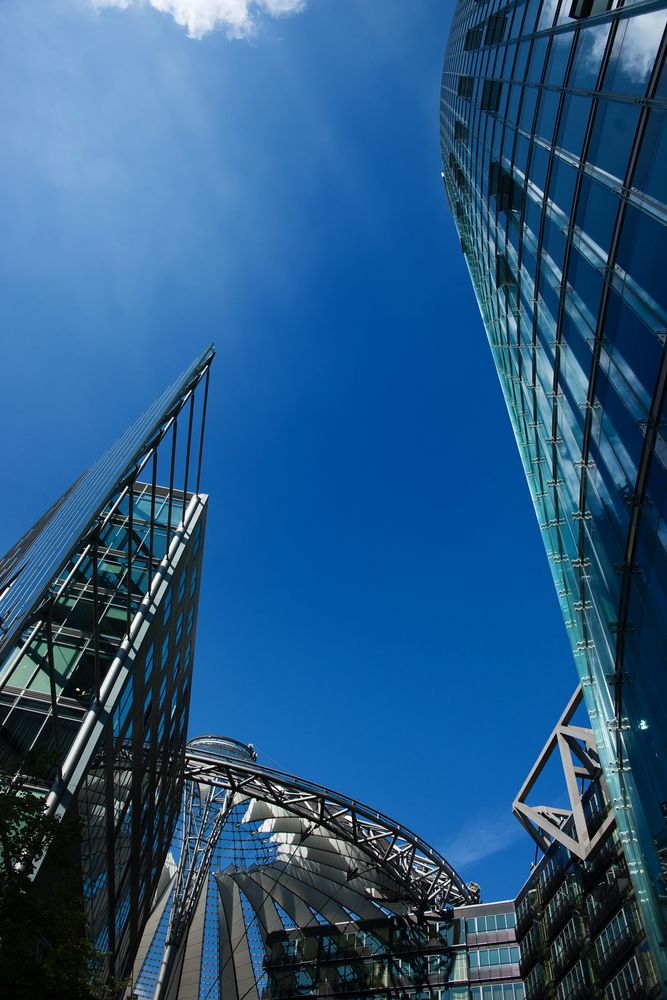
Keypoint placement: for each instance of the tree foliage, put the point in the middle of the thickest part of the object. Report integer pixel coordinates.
(45, 953)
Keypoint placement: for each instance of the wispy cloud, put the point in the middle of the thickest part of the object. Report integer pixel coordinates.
(480, 839)
(636, 44)
(237, 17)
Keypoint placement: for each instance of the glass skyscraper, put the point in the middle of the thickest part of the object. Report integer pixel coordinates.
(98, 605)
(554, 163)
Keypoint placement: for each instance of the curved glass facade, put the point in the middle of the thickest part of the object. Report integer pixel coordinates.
(555, 167)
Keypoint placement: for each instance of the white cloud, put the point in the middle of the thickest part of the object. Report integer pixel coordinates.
(635, 46)
(642, 37)
(476, 841)
(198, 17)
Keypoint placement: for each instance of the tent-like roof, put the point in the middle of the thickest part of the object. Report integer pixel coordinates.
(278, 852)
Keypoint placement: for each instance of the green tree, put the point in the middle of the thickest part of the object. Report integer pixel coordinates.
(45, 953)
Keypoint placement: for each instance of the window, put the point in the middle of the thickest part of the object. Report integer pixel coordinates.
(618, 928)
(504, 274)
(193, 581)
(465, 86)
(558, 901)
(167, 607)
(498, 991)
(588, 57)
(483, 958)
(565, 942)
(148, 664)
(495, 29)
(505, 189)
(612, 137)
(148, 704)
(625, 982)
(588, 8)
(572, 982)
(473, 39)
(122, 712)
(490, 922)
(491, 93)
(642, 33)
(535, 979)
(460, 966)
(460, 178)
(551, 868)
(460, 131)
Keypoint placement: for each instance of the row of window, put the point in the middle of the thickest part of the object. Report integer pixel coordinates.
(623, 985)
(491, 922)
(495, 991)
(634, 50)
(573, 982)
(380, 941)
(619, 928)
(498, 991)
(626, 982)
(538, 17)
(483, 958)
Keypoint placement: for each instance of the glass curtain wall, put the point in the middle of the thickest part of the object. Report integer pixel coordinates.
(552, 129)
(97, 658)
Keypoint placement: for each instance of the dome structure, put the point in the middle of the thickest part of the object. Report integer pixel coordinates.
(260, 854)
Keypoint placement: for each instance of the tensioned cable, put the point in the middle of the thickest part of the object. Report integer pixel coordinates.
(330, 898)
(274, 883)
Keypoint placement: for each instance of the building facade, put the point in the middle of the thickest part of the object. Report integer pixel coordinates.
(465, 953)
(98, 604)
(579, 926)
(380, 958)
(486, 953)
(554, 164)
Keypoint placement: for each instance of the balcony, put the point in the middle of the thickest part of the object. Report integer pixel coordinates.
(610, 955)
(596, 818)
(551, 882)
(642, 991)
(607, 902)
(578, 991)
(566, 956)
(532, 950)
(525, 915)
(594, 868)
(540, 988)
(558, 913)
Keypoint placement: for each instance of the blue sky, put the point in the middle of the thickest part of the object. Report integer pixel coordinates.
(377, 611)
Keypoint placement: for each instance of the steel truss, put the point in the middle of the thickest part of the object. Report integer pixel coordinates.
(424, 876)
(569, 827)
